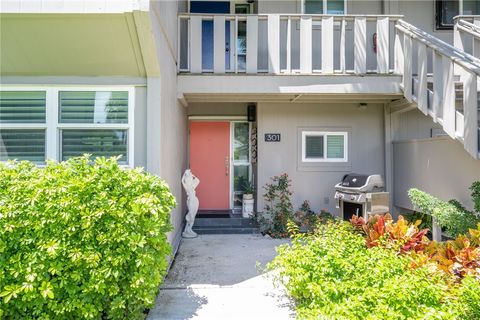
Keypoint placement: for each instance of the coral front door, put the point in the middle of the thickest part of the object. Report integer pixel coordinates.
(210, 162)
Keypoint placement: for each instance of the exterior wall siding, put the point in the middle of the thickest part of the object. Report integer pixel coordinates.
(169, 122)
(438, 166)
(316, 183)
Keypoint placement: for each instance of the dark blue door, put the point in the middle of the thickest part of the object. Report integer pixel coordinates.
(207, 30)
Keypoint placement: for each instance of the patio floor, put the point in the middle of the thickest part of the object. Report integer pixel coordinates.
(217, 277)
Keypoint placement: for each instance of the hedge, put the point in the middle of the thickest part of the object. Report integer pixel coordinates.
(81, 239)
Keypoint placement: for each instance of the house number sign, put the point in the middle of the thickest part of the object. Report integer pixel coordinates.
(272, 137)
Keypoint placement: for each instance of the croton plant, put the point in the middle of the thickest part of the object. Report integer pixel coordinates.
(459, 257)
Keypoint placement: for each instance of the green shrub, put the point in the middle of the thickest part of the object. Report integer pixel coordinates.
(451, 216)
(278, 208)
(81, 240)
(469, 298)
(475, 188)
(332, 275)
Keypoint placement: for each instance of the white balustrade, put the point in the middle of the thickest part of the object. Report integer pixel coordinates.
(322, 43)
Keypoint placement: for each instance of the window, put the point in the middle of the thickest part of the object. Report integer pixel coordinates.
(446, 10)
(60, 123)
(22, 125)
(324, 6)
(320, 146)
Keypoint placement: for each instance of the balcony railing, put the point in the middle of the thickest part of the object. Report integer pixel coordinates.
(286, 44)
(466, 35)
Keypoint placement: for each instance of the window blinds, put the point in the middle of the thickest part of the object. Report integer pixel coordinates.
(97, 142)
(314, 146)
(22, 106)
(93, 106)
(335, 146)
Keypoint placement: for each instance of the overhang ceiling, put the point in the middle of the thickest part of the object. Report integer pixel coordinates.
(70, 45)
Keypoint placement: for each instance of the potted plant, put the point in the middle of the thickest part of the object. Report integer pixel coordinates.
(248, 201)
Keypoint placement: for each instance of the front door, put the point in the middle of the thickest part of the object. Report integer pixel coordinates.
(216, 7)
(210, 162)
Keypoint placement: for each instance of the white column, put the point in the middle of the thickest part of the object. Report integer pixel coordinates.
(274, 43)
(383, 54)
(219, 44)
(196, 44)
(470, 107)
(306, 45)
(252, 44)
(422, 92)
(327, 45)
(437, 86)
(360, 45)
(449, 116)
(407, 68)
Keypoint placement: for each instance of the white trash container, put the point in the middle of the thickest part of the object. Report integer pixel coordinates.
(247, 207)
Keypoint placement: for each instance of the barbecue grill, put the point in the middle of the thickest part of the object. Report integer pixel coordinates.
(362, 195)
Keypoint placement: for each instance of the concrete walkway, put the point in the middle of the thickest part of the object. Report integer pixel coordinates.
(216, 277)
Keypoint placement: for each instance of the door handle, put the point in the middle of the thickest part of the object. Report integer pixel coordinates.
(227, 165)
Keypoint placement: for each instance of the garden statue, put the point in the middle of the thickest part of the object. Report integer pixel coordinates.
(190, 183)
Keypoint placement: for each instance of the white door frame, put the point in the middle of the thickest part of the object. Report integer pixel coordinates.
(232, 161)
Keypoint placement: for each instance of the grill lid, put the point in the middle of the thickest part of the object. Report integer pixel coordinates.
(354, 180)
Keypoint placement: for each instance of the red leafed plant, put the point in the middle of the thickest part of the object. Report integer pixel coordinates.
(381, 230)
(459, 257)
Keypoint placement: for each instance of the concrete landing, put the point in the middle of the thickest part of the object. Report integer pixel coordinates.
(216, 277)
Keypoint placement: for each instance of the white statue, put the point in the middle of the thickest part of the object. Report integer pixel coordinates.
(190, 183)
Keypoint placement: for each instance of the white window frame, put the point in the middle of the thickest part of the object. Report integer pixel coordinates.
(325, 2)
(53, 126)
(325, 134)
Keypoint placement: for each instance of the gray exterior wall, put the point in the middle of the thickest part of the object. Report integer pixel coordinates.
(217, 109)
(316, 182)
(438, 166)
(167, 122)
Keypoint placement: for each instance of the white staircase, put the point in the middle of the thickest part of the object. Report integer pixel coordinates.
(443, 81)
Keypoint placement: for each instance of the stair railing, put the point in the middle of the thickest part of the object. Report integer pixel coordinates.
(435, 92)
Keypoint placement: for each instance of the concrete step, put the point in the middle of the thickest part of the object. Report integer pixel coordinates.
(225, 230)
(224, 222)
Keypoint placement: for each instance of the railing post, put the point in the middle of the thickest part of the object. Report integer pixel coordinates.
(360, 45)
(196, 44)
(407, 68)
(342, 46)
(306, 45)
(327, 45)
(252, 44)
(219, 44)
(289, 45)
(449, 115)
(383, 54)
(437, 86)
(399, 55)
(422, 92)
(274, 43)
(470, 108)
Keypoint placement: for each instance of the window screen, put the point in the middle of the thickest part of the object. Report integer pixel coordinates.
(314, 147)
(335, 147)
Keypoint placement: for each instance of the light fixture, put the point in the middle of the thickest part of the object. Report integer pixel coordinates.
(252, 112)
(362, 106)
